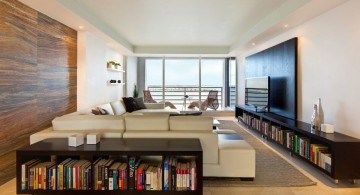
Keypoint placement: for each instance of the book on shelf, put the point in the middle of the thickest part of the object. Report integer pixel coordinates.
(133, 165)
(25, 173)
(140, 175)
(108, 174)
(114, 175)
(173, 173)
(321, 156)
(148, 178)
(69, 175)
(266, 127)
(123, 182)
(60, 174)
(105, 174)
(193, 183)
(166, 173)
(35, 175)
(327, 162)
(96, 172)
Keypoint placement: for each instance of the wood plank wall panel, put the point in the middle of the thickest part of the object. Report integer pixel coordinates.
(38, 66)
(57, 64)
(18, 81)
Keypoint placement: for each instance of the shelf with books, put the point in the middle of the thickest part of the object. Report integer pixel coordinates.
(336, 155)
(109, 172)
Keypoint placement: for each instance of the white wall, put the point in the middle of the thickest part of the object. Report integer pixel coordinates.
(93, 75)
(131, 75)
(328, 66)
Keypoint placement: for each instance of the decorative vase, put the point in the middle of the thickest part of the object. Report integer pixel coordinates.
(315, 120)
(320, 111)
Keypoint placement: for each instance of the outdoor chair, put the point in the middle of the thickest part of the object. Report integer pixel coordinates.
(149, 99)
(211, 102)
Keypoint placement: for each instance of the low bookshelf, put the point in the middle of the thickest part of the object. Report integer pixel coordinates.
(337, 155)
(87, 169)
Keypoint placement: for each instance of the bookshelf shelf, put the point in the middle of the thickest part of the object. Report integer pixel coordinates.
(57, 150)
(337, 155)
(115, 70)
(114, 84)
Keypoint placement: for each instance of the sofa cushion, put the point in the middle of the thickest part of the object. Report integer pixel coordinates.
(118, 107)
(155, 105)
(89, 122)
(151, 122)
(107, 107)
(156, 111)
(140, 102)
(130, 104)
(189, 123)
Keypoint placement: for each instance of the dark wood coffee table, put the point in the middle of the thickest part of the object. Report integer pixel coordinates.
(58, 147)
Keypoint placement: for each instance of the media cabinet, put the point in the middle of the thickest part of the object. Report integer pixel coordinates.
(344, 150)
(57, 149)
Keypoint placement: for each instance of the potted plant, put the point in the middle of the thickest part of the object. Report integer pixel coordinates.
(111, 64)
(117, 65)
(114, 65)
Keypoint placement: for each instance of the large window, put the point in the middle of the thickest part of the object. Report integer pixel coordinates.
(181, 79)
(154, 78)
(172, 79)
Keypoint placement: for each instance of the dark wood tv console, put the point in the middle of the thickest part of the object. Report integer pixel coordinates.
(57, 148)
(344, 150)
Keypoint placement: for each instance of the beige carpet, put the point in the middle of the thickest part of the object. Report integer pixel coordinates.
(271, 169)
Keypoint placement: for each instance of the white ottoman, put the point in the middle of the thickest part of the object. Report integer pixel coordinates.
(236, 159)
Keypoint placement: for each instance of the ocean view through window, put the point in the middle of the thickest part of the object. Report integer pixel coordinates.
(172, 79)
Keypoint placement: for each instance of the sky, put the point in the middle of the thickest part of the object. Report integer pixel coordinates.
(185, 72)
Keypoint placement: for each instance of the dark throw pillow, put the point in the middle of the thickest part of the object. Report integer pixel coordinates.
(130, 104)
(140, 102)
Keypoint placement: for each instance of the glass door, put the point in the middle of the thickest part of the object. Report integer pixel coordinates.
(181, 81)
(212, 83)
(154, 79)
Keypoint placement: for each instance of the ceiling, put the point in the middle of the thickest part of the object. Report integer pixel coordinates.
(183, 26)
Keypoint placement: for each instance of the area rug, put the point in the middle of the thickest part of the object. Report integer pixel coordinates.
(271, 169)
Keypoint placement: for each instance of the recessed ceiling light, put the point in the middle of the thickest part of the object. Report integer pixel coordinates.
(285, 25)
(253, 43)
(81, 27)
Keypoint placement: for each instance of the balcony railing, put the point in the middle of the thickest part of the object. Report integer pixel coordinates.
(175, 94)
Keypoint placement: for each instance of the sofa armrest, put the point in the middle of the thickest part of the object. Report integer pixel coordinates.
(155, 105)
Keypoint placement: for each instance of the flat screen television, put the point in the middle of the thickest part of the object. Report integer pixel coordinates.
(257, 92)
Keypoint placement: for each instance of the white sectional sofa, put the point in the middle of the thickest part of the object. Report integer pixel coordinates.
(221, 158)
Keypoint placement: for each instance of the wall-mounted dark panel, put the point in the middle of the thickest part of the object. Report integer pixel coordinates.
(38, 65)
(280, 63)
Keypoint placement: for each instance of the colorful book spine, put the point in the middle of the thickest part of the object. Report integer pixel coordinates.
(166, 174)
(132, 173)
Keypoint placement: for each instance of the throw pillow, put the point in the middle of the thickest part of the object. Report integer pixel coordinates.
(95, 111)
(99, 111)
(140, 102)
(103, 111)
(130, 104)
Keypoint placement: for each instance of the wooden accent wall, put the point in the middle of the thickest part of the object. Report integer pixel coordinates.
(38, 66)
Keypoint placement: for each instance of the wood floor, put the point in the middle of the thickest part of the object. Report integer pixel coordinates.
(324, 184)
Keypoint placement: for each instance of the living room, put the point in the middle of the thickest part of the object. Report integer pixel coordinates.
(45, 77)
